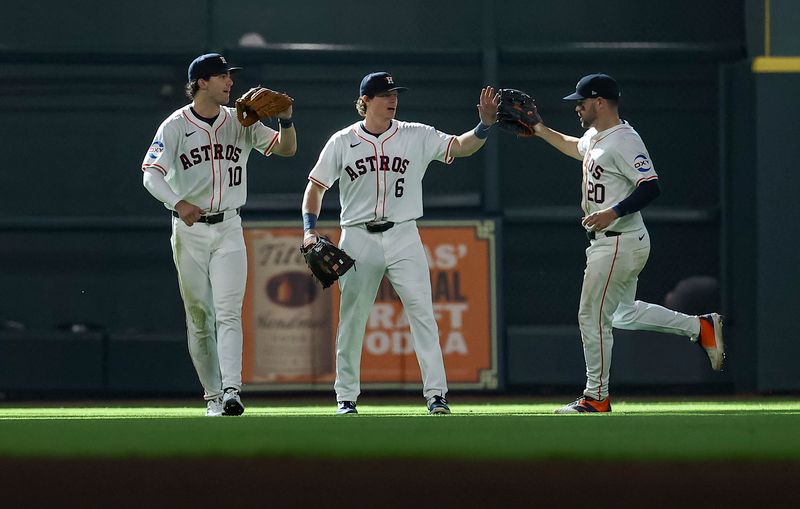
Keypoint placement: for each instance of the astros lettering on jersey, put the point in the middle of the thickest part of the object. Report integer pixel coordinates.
(615, 162)
(206, 164)
(381, 178)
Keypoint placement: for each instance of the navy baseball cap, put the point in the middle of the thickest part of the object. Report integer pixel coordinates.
(209, 65)
(377, 83)
(595, 85)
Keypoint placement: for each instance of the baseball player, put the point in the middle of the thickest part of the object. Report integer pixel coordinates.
(619, 180)
(379, 163)
(197, 167)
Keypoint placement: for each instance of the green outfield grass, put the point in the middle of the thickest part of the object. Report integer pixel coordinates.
(639, 431)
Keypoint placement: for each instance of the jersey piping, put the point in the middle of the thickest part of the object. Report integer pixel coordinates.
(378, 172)
(447, 157)
(219, 165)
(156, 166)
(385, 187)
(312, 179)
(646, 179)
(600, 321)
(211, 143)
(268, 150)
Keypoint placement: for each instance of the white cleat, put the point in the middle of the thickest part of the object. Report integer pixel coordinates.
(214, 408)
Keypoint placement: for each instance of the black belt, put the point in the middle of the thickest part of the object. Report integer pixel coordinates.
(379, 227)
(212, 219)
(591, 234)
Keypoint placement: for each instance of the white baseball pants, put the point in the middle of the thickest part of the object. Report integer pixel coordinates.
(212, 272)
(397, 253)
(613, 265)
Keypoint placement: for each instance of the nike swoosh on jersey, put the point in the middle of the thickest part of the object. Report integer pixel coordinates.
(191, 133)
(640, 238)
(357, 144)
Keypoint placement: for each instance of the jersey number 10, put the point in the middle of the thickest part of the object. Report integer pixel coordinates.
(234, 176)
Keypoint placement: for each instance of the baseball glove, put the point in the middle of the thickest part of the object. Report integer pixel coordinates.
(516, 112)
(326, 261)
(260, 102)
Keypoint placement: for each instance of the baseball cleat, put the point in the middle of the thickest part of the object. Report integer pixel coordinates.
(586, 405)
(711, 339)
(231, 403)
(346, 407)
(437, 405)
(214, 408)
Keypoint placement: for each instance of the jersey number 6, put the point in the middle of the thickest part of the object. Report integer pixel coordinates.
(398, 188)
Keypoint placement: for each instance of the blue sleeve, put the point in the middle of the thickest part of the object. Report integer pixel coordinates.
(641, 197)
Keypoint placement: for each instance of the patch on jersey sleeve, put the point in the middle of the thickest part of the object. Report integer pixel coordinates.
(155, 149)
(642, 163)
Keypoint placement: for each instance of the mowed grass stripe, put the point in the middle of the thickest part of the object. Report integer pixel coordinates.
(635, 431)
(383, 409)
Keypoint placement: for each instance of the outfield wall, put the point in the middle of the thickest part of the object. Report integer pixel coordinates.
(82, 242)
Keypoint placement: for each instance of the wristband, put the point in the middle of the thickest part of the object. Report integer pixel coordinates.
(309, 221)
(482, 131)
(285, 123)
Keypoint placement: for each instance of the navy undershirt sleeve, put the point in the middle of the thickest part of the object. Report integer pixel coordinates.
(641, 197)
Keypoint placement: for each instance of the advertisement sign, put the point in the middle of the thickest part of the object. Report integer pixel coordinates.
(290, 322)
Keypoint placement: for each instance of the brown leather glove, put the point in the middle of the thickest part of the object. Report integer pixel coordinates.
(259, 103)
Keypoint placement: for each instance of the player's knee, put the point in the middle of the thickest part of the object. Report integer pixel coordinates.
(625, 314)
(197, 317)
(417, 304)
(228, 317)
(586, 317)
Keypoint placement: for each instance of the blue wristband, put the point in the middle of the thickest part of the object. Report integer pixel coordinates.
(309, 221)
(482, 131)
(285, 122)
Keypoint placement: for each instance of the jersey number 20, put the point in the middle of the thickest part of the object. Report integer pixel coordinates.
(595, 192)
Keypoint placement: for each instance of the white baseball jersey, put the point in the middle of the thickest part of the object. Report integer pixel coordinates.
(381, 178)
(615, 162)
(206, 164)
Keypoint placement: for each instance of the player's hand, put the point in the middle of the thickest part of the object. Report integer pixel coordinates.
(287, 113)
(310, 238)
(188, 213)
(487, 106)
(600, 220)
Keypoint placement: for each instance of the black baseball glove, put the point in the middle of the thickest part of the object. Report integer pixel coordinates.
(517, 113)
(326, 261)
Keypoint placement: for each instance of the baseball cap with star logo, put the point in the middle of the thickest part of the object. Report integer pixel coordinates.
(595, 85)
(378, 82)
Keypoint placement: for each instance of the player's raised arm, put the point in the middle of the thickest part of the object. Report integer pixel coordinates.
(518, 114)
(468, 143)
(563, 142)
